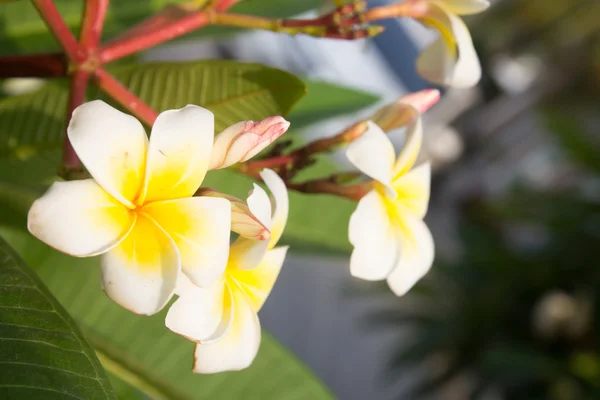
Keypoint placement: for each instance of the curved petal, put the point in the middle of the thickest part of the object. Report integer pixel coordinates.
(199, 226)
(200, 314)
(79, 218)
(243, 222)
(238, 347)
(178, 155)
(417, 254)
(280, 204)
(465, 7)
(257, 283)
(260, 205)
(374, 237)
(373, 154)
(412, 189)
(450, 60)
(410, 152)
(112, 145)
(141, 272)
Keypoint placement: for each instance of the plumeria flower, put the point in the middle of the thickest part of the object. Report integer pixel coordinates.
(451, 59)
(137, 210)
(390, 239)
(223, 319)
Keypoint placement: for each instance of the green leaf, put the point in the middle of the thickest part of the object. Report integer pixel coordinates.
(326, 100)
(134, 344)
(43, 355)
(234, 91)
(23, 31)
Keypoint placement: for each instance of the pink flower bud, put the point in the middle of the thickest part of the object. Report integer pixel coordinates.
(244, 140)
(397, 114)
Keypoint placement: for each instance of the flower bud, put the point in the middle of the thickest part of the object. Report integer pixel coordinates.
(244, 140)
(397, 114)
(243, 222)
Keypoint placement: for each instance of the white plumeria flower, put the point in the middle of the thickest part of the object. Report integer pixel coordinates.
(451, 59)
(390, 239)
(223, 319)
(137, 211)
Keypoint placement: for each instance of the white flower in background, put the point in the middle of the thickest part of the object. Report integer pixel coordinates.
(390, 239)
(19, 86)
(244, 140)
(223, 319)
(137, 211)
(451, 59)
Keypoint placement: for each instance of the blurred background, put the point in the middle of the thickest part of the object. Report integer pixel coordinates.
(511, 307)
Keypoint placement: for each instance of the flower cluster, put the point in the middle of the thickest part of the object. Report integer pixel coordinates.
(389, 237)
(156, 238)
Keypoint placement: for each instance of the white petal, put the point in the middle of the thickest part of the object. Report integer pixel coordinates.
(410, 152)
(246, 253)
(413, 188)
(238, 347)
(374, 237)
(451, 60)
(199, 226)
(243, 221)
(260, 205)
(257, 283)
(373, 154)
(141, 272)
(200, 313)
(112, 146)
(179, 152)
(280, 204)
(79, 218)
(464, 7)
(417, 254)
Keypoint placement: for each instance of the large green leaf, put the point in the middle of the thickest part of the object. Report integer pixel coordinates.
(234, 91)
(43, 354)
(325, 100)
(131, 344)
(23, 31)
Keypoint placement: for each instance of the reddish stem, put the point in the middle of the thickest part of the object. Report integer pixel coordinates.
(33, 65)
(93, 21)
(79, 82)
(268, 163)
(130, 45)
(326, 186)
(171, 13)
(123, 96)
(60, 30)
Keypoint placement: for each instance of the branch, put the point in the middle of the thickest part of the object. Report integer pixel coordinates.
(331, 186)
(70, 162)
(34, 65)
(119, 93)
(93, 21)
(134, 44)
(59, 29)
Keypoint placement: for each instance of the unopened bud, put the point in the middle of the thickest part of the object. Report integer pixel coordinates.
(243, 222)
(244, 140)
(401, 112)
